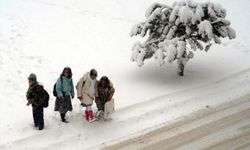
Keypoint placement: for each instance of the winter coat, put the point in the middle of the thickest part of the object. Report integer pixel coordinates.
(32, 94)
(83, 90)
(65, 91)
(103, 95)
(65, 87)
(105, 92)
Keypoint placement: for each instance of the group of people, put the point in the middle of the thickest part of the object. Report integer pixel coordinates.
(89, 90)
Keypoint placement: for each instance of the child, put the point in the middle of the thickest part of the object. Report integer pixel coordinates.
(65, 92)
(87, 92)
(105, 94)
(36, 100)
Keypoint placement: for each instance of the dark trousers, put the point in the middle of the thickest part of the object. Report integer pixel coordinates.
(38, 116)
(101, 104)
(63, 117)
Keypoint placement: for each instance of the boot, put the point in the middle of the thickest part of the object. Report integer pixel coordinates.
(99, 115)
(63, 118)
(87, 115)
(91, 116)
(40, 127)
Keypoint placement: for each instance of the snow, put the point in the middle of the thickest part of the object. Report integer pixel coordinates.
(151, 9)
(223, 21)
(171, 32)
(174, 14)
(159, 56)
(211, 11)
(231, 33)
(199, 13)
(186, 15)
(171, 53)
(181, 47)
(220, 12)
(42, 36)
(138, 53)
(136, 29)
(206, 29)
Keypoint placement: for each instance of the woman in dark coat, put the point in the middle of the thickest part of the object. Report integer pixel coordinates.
(65, 92)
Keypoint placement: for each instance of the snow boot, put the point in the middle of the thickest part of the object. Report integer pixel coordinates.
(91, 116)
(87, 115)
(99, 114)
(63, 118)
(40, 127)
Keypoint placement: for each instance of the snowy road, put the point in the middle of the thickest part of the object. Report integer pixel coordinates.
(221, 128)
(150, 115)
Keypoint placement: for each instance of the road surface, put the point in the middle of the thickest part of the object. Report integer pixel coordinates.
(223, 127)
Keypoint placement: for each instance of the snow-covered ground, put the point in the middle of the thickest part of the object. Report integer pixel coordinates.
(43, 36)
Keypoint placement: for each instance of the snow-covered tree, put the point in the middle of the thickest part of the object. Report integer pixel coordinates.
(173, 33)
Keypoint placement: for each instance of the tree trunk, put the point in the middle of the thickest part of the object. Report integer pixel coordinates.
(180, 70)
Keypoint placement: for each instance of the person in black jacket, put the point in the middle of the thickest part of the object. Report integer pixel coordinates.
(32, 96)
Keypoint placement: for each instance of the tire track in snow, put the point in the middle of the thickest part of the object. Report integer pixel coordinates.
(217, 128)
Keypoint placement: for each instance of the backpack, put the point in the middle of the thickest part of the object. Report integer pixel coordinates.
(46, 99)
(54, 88)
(42, 96)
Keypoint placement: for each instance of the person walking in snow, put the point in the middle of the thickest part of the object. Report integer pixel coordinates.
(36, 96)
(65, 92)
(105, 94)
(87, 92)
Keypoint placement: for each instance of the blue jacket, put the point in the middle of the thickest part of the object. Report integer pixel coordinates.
(65, 87)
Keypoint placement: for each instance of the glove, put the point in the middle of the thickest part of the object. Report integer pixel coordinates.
(28, 103)
(109, 98)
